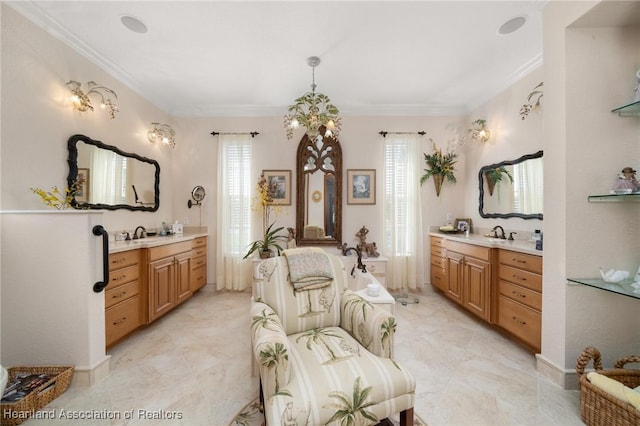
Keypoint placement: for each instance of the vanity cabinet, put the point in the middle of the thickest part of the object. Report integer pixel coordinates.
(198, 263)
(469, 276)
(520, 296)
(168, 277)
(439, 277)
(123, 310)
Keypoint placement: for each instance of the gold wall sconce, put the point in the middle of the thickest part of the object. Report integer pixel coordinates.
(162, 133)
(479, 133)
(81, 101)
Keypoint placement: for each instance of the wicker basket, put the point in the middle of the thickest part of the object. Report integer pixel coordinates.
(597, 407)
(17, 412)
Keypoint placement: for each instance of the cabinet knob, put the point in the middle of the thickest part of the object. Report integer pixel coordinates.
(517, 277)
(519, 321)
(120, 321)
(117, 296)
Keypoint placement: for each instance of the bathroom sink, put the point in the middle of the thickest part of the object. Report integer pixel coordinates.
(496, 240)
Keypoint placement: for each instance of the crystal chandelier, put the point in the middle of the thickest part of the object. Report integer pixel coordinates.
(313, 110)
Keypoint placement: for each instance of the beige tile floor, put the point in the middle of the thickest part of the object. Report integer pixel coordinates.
(195, 362)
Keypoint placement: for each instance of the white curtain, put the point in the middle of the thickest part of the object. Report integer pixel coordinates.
(402, 212)
(108, 178)
(527, 183)
(234, 212)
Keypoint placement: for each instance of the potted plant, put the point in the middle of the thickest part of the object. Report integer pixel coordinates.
(263, 202)
(270, 240)
(495, 176)
(440, 166)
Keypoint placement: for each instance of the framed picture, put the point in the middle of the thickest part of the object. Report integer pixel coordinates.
(281, 181)
(361, 186)
(82, 190)
(462, 225)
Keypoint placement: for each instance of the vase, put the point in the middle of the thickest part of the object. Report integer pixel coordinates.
(490, 183)
(437, 181)
(265, 254)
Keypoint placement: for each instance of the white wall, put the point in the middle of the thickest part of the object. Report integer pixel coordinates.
(589, 69)
(511, 138)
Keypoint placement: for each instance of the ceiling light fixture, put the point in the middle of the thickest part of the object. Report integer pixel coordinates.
(82, 103)
(512, 25)
(313, 110)
(162, 133)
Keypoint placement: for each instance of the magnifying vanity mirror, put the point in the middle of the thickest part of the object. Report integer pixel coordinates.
(110, 178)
(512, 188)
(319, 191)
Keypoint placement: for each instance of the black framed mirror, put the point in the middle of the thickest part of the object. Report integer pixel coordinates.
(512, 188)
(319, 191)
(110, 178)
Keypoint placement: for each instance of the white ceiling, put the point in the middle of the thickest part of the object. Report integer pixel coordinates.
(248, 58)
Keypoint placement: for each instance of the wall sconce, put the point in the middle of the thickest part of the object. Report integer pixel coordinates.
(479, 133)
(162, 133)
(82, 103)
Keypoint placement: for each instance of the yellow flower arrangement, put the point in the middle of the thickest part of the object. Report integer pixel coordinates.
(263, 201)
(57, 198)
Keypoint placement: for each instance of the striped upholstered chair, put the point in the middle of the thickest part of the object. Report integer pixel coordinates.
(325, 355)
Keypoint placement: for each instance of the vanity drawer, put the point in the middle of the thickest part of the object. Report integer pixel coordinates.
(199, 261)
(524, 261)
(478, 252)
(122, 318)
(522, 321)
(199, 251)
(121, 292)
(198, 278)
(438, 262)
(167, 250)
(199, 242)
(521, 277)
(123, 258)
(377, 269)
(439, 278)
(437, 241)
(533, 299)
(438, 251)
(124, 275)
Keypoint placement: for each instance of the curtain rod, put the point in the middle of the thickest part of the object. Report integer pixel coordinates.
(253, 134)
(384, 133)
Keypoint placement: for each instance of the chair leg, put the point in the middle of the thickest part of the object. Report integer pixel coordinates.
(406, 417)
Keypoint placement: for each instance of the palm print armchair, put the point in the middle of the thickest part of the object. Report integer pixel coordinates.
(325, 354)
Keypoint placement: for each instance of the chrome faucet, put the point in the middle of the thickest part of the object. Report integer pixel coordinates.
(135, 233)
(360, 265)
(495, 232)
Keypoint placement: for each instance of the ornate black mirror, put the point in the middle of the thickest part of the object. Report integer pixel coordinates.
(319, 191)
(111, 179)
(512, 188)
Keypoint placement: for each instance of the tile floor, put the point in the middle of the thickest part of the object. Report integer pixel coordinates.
(195, 363)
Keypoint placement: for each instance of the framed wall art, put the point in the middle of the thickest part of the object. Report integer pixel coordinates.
(82, 189)
(361, 186)
(281, 181)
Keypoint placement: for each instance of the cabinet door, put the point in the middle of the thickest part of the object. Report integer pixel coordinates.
(162, 292)
(477, 274)
(183, 276)
(455, 270)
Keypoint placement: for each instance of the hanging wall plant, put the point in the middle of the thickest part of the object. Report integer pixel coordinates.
(533, 101)
(440, 166)
(495, 176)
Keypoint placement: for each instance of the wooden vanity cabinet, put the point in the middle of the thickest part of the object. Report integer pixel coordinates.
(168, 277)
(439, 275)
(520, 296)
(123, 308)
(198, 263)
(469, 276)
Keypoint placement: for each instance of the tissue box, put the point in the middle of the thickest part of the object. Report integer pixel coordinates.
(177, 228)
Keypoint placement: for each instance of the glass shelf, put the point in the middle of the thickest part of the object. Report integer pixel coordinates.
(607, 198)
(629, 110)
(624, 287)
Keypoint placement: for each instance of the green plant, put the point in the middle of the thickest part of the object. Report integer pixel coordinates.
(495, 176)
(269, 240)
(440, 166)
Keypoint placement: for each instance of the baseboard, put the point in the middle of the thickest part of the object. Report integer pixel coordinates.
(566, 379)
(89, 376)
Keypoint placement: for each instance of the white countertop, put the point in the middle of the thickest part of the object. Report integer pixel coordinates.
(155, 241)
(522, 246)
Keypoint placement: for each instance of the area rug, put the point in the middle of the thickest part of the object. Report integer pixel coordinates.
(250, 415)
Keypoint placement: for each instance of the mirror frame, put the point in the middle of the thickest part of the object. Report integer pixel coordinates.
(305, 147)
(502, 164)
(72, 146)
